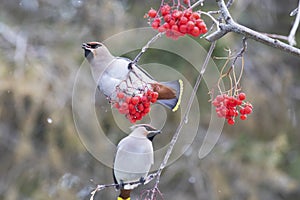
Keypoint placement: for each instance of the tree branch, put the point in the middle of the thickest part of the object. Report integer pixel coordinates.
(183, 121)
(230, 25)
(291, 37)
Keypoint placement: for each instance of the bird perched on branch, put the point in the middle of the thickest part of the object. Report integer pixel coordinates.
(133, 159)
(112, 73)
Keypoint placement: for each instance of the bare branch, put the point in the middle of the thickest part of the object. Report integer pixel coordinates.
(231, 26)
(137, 58)
(182, 122)
(149, 178)
(291, 37)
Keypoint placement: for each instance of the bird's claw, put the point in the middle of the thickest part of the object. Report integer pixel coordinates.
(142, 180)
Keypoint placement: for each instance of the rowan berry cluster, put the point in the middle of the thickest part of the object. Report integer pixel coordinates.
(135, 107)
(176, 22)
(230, 107)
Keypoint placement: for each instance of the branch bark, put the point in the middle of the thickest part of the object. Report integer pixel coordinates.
(291, 37)
(229, 25)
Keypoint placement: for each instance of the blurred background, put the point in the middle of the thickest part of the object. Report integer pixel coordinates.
(42, 156)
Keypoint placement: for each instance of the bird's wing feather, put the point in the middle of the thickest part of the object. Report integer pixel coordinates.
(138, 67)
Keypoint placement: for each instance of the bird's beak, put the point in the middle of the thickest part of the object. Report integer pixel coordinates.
(87, 49)
(152, 134)
(85, 46)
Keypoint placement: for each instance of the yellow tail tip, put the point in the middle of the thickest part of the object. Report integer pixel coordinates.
(120, 198)
(179, 96)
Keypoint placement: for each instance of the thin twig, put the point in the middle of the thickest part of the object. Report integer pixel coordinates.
(200, 2)
(137, 58)
(182, 122)
(291, 37)
(277, 36)
(242, 51)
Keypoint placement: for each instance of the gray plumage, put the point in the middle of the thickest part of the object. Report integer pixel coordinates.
(134, 155)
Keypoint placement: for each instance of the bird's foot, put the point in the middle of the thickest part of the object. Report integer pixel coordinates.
(130, 66)
(121, 184)
(142, 180)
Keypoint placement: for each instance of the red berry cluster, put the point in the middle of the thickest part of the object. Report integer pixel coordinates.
(230, 107)
(176, 22)
(135, 107)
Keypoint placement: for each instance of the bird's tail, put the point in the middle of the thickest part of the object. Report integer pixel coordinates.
(173, 103)
(124, 195)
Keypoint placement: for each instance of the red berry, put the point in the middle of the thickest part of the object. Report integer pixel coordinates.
(242, 111)
(155, 25)
(174, 28)
(146, 104)
(146, 110)
(144, 99)
(138, 115)
(195, 32)
(143, 114)
(167, 18)
(165, 10)
(223, 111)
(216, 103)
(134, 100)
(186, 2)
(195, 16)
(242, 96)
(157, 20)
(161, 29)
(169, 34)
(166, 25)
(176, 14)
(188, 13)
(248, 110)
(220, 98)
(190, 26)
(154, 95)
(153, 100)
(243, 117)
(230, 121)
(203, 29)
(230, 113)
(183, 29)
(152, 13)
(199, 23)
(132, 120)
(128, 99)
(183, 20)
(238, 102)
(133, 111)
(131, 107)
(124, 105)
(117, 105)
(120, 95)
(124, 108)
(219, 114)
(140, 107)
(172, 22)
(149, 92)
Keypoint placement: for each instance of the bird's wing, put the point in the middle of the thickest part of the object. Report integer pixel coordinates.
(138, 67)
(136, 151)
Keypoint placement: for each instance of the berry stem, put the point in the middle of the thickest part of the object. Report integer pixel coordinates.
(153, 39)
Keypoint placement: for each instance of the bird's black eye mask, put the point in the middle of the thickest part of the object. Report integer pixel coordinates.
(94, 45)
(88, 47)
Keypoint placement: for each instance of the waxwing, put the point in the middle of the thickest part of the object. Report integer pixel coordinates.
(134, 158)
(109, 72)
